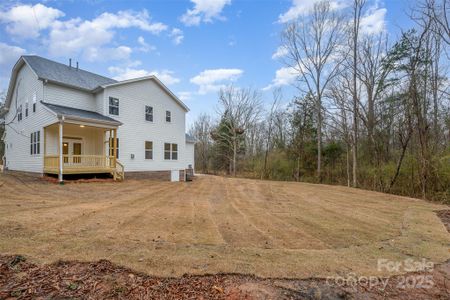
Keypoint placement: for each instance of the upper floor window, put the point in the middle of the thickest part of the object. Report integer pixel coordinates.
(19, 113)
(26, 109)
(149, 113)
(170, 151)
(148, 150)
(168, 116)
(113, 106)
(34, 102)
(35, 143)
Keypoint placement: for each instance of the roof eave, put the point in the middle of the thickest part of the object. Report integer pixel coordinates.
(14, 72)
(45, 80)
(159, 82)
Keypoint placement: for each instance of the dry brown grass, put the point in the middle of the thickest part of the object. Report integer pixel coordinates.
(215, 224)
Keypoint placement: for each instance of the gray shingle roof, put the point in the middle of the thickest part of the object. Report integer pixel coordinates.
(190, 139)
(61, 73)
(79, 113)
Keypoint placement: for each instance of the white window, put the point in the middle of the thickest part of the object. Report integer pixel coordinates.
(19, 113)
(148, 150)
(113, 106)
(34, 102)
(168, 116)
(26, 109)
(35, 143)
(170, 151)
(174, 151)
(149, 113)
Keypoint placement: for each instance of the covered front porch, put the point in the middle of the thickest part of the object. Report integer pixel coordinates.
(81, 146)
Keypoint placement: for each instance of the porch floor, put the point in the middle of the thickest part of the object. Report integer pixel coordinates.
(79, 170)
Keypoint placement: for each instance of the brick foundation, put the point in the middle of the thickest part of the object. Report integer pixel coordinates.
(154, 175)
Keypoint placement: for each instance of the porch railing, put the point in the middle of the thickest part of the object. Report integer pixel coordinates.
(79, 162)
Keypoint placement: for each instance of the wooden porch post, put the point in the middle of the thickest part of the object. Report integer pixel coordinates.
(115, 146)
(60, 148)
(45, 142)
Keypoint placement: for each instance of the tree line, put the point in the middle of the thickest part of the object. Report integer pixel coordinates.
(368, 112)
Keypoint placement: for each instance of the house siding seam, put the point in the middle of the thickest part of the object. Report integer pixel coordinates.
(17, 139)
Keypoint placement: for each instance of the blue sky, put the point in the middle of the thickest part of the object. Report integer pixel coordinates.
(194, 47)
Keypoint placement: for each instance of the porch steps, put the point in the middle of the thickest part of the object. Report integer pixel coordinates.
(119, 172)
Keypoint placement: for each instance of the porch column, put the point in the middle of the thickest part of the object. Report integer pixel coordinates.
(115, 146)
(45, 142)
(60, 148)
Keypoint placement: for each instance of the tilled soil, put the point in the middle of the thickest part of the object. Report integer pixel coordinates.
(20, 279)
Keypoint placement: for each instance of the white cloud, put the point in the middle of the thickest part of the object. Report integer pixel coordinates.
(166, 76)
(204, 11)
(304, 7)
(26, 21)
(77, 35)
(177, 36)
(280, 52)
(184, 96)
(283, 76)
(129, 72)
(144, 46)
(212, 80)
(103, 54)
(9, 55)
(373, 22)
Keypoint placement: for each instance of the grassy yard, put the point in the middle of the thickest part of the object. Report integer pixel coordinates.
(215, 224)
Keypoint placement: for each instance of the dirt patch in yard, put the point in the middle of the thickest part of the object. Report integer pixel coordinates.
(104, 280)
(218, 225)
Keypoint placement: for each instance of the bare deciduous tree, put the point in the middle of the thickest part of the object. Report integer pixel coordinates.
(201, 130)
(270, 121)
(312, 43)
(240, 108)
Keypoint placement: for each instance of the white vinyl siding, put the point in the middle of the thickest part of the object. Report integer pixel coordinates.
(136, 130)
(18, 134)
(70, 97)
(189, 155)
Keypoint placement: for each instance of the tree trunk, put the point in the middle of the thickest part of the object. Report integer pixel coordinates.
(356, 19)
(319, 142)
(234, 155)
(348, 163)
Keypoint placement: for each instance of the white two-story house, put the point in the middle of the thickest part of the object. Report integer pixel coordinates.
(60, 120)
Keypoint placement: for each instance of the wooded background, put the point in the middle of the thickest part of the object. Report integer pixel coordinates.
(369, 112)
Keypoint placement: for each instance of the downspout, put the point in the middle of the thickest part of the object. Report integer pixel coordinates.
(60, 174)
